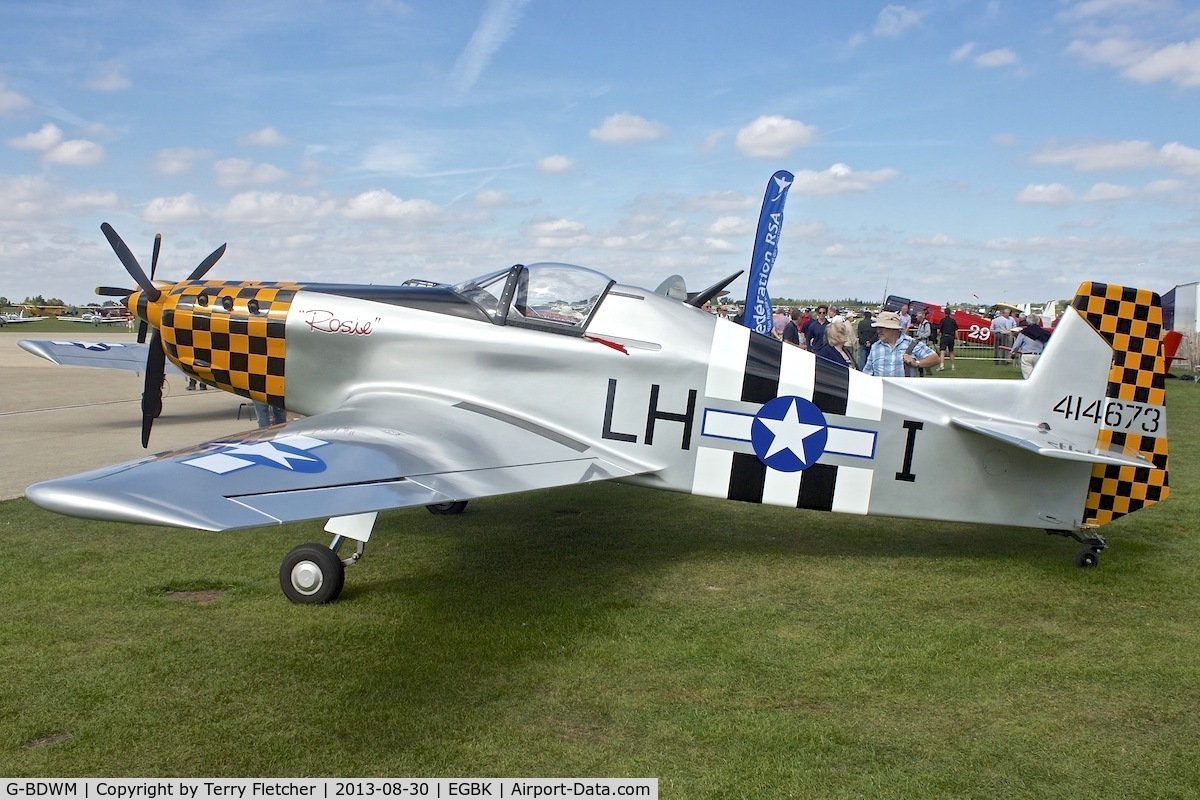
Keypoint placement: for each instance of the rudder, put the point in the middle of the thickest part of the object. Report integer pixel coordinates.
(1131, 321)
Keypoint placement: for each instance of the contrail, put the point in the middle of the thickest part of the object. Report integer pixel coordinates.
(498, 22)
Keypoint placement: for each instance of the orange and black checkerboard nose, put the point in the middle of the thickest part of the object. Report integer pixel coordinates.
(231, 335)
(1131, 321)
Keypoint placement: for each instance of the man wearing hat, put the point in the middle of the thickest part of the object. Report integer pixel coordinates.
(896, 354)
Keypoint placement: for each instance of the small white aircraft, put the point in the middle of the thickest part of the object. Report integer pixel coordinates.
(548, 375)
(15, 319)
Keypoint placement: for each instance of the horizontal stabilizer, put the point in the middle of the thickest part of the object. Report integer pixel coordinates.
(1045, 442)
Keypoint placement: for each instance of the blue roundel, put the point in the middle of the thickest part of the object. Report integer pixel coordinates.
(789, 434)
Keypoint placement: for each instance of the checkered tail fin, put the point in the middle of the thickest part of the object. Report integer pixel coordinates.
(1131, 321)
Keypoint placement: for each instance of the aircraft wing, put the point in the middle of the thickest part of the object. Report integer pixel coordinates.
(377, 452)
(1049, 443)
(103, 355)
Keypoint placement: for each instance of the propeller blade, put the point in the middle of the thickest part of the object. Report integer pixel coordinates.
(207, 263)
(156, 368)
(142, 329)
(113, 291)
(130, 263)
(154, 258)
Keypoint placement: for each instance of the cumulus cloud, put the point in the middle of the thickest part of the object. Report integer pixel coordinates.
(10, 100)
(732, 226)
(267, 137)
(893, 21)
(498, 22)
(991, 59)
(774, 136)
(24, 197)
(177, 161)
(558, 233)
(840, 179)
(1053, 194)
(625, 128)
(555, 165)
(996, 58)
(265, 208)
(49, 135)
(109, 77)
(380, 204)
(56, 150)
(1141, 62)
(184, 208)
(1128, 154)
(493, 198)
(234, 173)
(1103, 192)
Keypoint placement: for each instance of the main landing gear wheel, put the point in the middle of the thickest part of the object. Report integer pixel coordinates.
(448, 508)
(1087, 558)
(312, 573)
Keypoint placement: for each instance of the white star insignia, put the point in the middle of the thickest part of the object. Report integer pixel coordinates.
(790, 433)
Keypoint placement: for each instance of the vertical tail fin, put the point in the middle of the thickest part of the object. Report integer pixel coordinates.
(1131, 321)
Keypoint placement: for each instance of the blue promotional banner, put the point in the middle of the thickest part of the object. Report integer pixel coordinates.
(766, 248)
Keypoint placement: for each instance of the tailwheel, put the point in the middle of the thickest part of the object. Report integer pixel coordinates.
(312, 573)
(1092, 541)
(448, 508)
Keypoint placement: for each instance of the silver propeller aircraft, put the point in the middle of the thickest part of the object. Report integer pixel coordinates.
(549, 375)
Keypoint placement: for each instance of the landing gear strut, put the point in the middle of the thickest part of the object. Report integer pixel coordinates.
(1093, 543)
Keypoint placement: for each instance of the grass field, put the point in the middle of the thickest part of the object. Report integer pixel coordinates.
(729, 650)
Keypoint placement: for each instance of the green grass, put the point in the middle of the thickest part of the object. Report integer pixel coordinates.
(729, 650)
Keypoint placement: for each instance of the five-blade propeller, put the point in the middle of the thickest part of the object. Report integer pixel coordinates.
(156, 360)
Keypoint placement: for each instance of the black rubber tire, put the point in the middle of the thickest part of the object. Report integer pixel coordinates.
(448, 508)
(1087, 558)
(312, 573)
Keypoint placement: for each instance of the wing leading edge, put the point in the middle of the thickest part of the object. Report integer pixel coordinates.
(377, 452)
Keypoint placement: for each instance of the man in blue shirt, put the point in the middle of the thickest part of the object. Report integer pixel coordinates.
(896, 354)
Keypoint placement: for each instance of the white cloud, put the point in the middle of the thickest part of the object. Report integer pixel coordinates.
(267, 137)
(109, 78)
(49, 135)
(1128, 154)
(498, 22)
(380, 204)
(718, 202)
(732, 226)
(1104, 192)
(69, 153)
(235, 173)
(558, 233)
(963, 52)
(185, 208)
(75, 153)
(1097, 156)
(996, 58)
(895, 20)
(264, 208)
(555, 165)
(493, 198)
(1178, 63)
(1053, 194)
(624, 128)
(774, 136)
(10, 100)
(840, 179)
(178, 161)
(37, 197)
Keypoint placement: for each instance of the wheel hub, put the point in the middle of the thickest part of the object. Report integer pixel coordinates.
(307, 577)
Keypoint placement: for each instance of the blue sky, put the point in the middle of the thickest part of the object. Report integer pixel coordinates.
(944, 149)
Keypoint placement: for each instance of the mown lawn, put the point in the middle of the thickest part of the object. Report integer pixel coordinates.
(728, 650)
